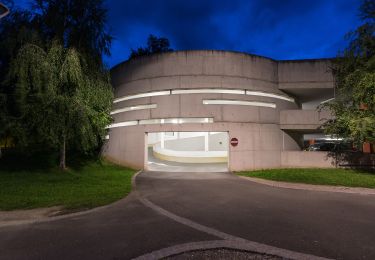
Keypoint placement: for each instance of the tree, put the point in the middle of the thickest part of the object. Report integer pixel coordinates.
(154, 45)
(354, 71)
(60, 101)
(54, 85)
(10, 42)
(79, 24)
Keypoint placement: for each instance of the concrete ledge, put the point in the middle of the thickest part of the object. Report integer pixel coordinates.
(311, 187)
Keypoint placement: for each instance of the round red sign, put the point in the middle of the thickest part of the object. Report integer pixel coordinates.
(234, 141)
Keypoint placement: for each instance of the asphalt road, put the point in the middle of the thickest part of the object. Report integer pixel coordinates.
(333, 225)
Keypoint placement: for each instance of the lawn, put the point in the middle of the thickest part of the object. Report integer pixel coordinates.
(335, 177)
(93, 184)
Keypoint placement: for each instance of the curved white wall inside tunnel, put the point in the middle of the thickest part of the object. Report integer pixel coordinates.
(179, 82)
(191, 141)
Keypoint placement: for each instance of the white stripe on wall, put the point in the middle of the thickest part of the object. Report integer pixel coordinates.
(205, 91)
(265, 94)
(208, 91)
(133, 108)
(121, 124)
(143, 95)
(161, 121)
(238, 102)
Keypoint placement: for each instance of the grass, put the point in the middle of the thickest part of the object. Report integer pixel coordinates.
(335, 177)
(92, 184)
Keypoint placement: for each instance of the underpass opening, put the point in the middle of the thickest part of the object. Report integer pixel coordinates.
(187, 151)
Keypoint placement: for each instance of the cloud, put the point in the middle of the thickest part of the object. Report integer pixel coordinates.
(288, 29)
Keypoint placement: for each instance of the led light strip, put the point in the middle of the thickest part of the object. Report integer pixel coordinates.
(133, 108)
(264, 94)
(208, 91)
(238, 102)
(121, 124)
(161, 121)
(204, 91)
(176, 121)
(142, 95)
(326, 101)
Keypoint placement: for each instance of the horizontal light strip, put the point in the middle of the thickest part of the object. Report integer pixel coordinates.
(142, 95)
(204, 91)
(208, 91)
(326, 101)
(176, 121)
(133, 108)
(161, 121)
(264, 94)
(126, 123)
(237, 102)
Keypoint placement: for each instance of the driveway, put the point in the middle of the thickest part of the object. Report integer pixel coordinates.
(171, 209)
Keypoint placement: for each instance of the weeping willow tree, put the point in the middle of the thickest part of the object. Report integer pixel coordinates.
(60, 102)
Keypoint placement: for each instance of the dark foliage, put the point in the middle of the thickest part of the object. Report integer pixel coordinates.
(154, 45)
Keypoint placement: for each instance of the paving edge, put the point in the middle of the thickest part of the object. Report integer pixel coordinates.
(311, 187)
(247, 246)
(75, 214)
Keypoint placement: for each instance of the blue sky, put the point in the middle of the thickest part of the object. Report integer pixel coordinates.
(279, 29)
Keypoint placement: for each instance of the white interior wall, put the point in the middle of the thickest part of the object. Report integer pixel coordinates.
(217, 141)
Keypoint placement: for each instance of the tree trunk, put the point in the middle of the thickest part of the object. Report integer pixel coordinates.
(62, 155)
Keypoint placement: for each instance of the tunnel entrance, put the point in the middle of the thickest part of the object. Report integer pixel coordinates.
(187, 151)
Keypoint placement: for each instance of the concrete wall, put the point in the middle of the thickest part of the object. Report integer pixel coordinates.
(303, 119)
(196, 143)
(304, 159)
(261, 141)
(218, 142)
(305, 74)
(191, 144)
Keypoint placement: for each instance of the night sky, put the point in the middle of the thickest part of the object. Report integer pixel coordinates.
(279, 29)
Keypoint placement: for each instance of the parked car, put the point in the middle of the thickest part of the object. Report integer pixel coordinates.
(321, 147)
(331, 146)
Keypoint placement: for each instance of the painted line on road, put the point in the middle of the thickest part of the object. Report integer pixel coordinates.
(188, 222)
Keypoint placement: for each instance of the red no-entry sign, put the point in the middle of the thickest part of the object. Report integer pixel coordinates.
(234, 141)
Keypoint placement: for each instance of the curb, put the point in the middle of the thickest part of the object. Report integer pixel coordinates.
(248, 246)
(311, 187)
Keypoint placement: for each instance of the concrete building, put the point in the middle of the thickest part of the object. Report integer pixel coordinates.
(3, 10)
(255, 111)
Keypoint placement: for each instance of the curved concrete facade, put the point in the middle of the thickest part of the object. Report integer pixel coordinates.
(211, 91)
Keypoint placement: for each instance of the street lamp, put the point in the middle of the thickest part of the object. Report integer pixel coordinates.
(3, 10)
